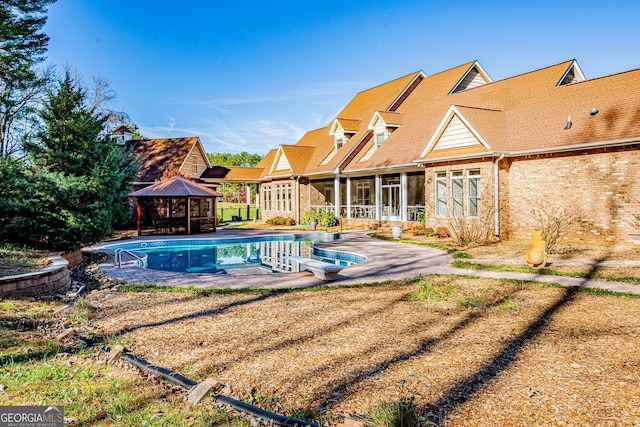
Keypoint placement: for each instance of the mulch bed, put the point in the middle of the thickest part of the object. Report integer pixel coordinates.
(563, 357)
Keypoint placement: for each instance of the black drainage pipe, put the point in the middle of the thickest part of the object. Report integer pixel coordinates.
(167, 374)
(182, 381)
(277, 419)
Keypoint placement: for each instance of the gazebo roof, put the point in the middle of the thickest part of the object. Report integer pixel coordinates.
(177, 186)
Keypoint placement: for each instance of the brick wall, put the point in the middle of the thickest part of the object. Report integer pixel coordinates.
(601, 186)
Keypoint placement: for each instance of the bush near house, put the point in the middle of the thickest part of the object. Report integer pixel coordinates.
(280, 220)
(442, 232)
(553, 221)
(324, 217)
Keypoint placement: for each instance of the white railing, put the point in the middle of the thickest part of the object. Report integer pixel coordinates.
(412, 212)
(369, 211)
(363, 211)
(139, 261)
(318, 207)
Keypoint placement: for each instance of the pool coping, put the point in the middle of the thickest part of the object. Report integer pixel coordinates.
(386, 260)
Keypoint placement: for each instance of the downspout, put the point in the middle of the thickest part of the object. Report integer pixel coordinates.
(496, 196)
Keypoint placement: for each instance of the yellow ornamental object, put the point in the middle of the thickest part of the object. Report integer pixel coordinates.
(536, 256)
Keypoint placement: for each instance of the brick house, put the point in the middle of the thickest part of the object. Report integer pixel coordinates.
(458, 145)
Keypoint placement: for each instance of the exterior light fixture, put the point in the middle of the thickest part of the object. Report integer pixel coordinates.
(568, 126)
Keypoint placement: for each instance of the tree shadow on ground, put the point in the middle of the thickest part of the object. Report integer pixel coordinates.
(213, 311)
(468, 387)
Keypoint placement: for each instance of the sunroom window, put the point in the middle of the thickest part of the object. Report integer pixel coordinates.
(456, 193)
(441, 194)
(473, 193)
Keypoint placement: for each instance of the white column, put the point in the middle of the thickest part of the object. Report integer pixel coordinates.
(248, 201)
(378, 197)
(336, 195)
(297, 200)
(349, 197)
(258, 188)
(403, 196)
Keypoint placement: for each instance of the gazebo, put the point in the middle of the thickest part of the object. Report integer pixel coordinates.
(163, 207)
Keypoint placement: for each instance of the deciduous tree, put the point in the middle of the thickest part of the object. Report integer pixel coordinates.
(22, 46)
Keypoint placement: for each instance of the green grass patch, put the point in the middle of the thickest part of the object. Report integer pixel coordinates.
(85, 388)
(80, 313)
(456, 253)
(508, 304)
(434, 292)
(547, 271)
(397, 413)
(192, 290)
(226, 211)
(441, 291)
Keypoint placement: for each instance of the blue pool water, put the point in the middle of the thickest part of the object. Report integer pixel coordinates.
(269, 253)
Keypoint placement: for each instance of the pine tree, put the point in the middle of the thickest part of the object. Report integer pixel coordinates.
(79, 176)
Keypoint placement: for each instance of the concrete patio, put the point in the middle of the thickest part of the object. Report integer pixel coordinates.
(386, 260)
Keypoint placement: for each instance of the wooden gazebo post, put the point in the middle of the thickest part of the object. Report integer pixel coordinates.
(138, 217)
(188, 207)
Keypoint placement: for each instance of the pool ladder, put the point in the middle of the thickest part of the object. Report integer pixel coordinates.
(117, 258)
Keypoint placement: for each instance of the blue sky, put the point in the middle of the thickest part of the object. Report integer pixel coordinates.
(248, 76)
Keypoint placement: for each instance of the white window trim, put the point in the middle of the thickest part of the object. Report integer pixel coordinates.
(457, 176)
(384, 135)
(474, 175)
(439, 179)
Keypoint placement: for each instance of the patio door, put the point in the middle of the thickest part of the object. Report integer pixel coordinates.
(391, 198)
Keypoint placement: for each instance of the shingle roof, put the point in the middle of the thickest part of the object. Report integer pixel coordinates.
(160, 155)
(177, 186)
(349, 125)
(514, 115)
(391, 118)
(297, 156)
(421, 112)
(360, 109)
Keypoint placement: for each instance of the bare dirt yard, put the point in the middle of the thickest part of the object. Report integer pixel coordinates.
(610, 261)
(461, 351)
(445, 350)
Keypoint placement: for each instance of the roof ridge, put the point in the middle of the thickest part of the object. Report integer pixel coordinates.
(160, 139)
(477, 108)
(391, 81)
(602, 77)
(529, 72)
(467, 64)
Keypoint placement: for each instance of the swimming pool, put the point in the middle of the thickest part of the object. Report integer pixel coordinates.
(267, 253)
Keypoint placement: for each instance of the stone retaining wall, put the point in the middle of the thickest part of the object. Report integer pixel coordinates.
(74, 257)
(52, 278)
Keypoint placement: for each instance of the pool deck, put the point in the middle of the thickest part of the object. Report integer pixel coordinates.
(386, 260)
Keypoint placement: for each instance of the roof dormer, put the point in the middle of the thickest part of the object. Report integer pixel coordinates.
(475, 76)
(122, 135)
(341, 130)
(572, 75)
(383, 123)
